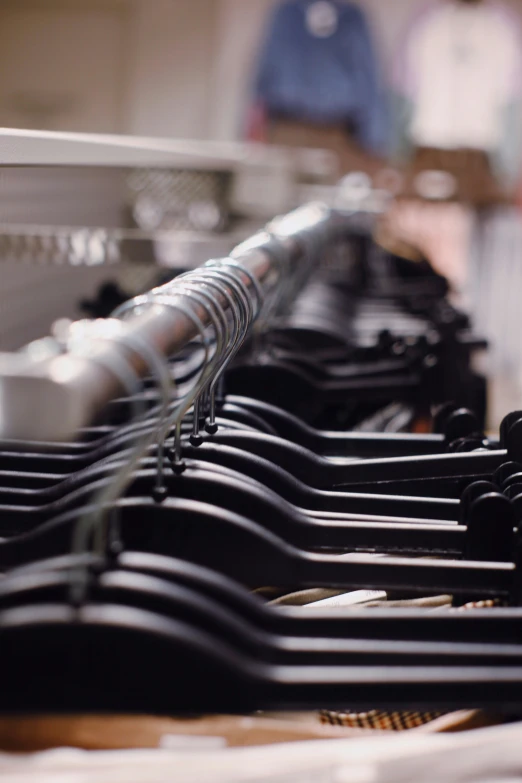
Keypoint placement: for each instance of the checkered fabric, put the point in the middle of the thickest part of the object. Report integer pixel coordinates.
(375, 719)
(392, 721)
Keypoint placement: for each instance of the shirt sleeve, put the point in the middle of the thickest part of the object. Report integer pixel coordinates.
(373, 125)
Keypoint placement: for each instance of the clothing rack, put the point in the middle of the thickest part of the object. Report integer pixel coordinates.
(297, 462)
(65, 392)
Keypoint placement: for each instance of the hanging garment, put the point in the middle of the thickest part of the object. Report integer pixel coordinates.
(471, 181)
(458, 76)
(318, 65)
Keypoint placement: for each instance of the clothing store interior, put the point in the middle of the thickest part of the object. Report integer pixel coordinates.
(260, 360)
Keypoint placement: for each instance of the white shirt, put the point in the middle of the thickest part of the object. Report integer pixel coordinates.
(461, 67)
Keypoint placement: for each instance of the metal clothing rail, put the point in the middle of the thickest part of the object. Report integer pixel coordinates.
(49, 399)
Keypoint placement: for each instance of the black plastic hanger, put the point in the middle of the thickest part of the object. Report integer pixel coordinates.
(181, 603)
(248, 465)
(256, 557)
(481, 625)
(323, 474)
(317, 500)
(334, 444)
(96, 653)
(230, 491)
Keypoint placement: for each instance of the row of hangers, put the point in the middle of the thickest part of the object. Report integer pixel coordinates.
(129, 555)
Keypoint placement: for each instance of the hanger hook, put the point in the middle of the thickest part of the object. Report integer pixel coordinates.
(217, 282)
(246, 311)
(223, 338)
(94, 517)
(167, 298)
(175, 420)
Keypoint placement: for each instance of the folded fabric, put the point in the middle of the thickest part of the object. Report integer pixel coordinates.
(484, 754)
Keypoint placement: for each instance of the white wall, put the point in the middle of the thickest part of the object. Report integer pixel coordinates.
(62, 65)
(171, 67)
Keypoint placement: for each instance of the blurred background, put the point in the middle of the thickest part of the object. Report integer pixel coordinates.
(421, 99)
(155, 67)
(148, 67)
